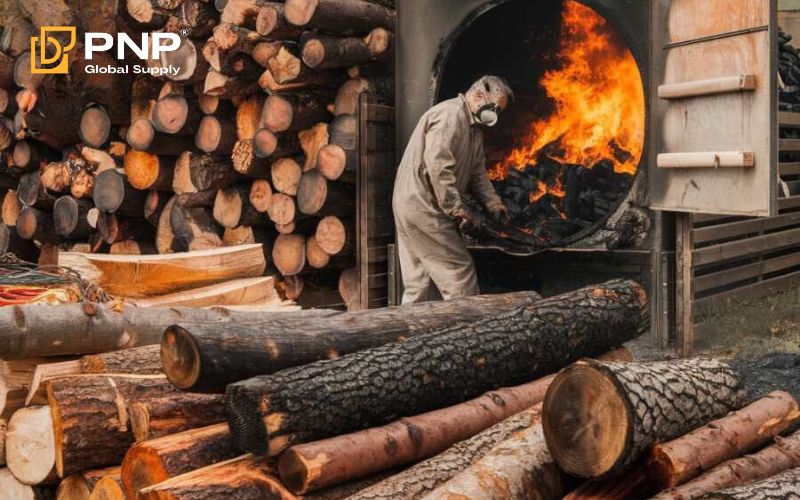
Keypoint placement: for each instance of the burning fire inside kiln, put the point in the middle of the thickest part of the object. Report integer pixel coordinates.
(567, 154)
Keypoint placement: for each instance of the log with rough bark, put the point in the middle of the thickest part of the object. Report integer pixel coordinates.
(312, 466)
(30, 446)
(145, 360)
(324, 51)
(781, 456)
(155, 418)
(200, 359)
(676, 462)
(318, 196)
(81, 485)
(780, 487)
(151, 462)
(149, 171)
(424, 477)
(195, 228)
(38, 330)
(142, 136)
(630, 407)
(90, 424)
(518, 467)
(294, 112)
(339, 16)
(243, 291)
(196, 173)
(433, 370)
(270, 145)
(232, 208)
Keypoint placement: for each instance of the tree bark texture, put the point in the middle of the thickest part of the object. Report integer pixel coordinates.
(90, 420)
(781, 487)
(311, 466)
(145, 360)
(781, 456)
(154, 418)
(205, 358)
(630, 406)
(676, 462)
(433, 370)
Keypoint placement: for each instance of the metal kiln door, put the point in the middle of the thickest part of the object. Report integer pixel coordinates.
(713, 106)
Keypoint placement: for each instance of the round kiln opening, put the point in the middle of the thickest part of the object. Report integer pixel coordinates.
(565, 154)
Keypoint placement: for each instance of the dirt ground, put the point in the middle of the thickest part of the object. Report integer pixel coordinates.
(760, 337)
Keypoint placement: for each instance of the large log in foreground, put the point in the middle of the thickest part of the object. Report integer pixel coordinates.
(205, 358)
(630, 406)
(311, 466)
(682, 459)
(781, 456)
(780, 487)
(30, 331)
(441, 368)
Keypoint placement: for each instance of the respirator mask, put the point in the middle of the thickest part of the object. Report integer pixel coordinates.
(488, 114)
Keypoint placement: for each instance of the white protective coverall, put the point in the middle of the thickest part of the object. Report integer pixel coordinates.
(443, 161)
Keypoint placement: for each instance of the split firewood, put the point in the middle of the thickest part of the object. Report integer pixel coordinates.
(155, 418)
(142, 136)
(232, 208)
(230, 37)
(270, 145)
(308, 467)
(247, 162)
(243, 235)
(676, 462)
(90, 431)
(334, 236)
(187, 348)
(324, 51)
(781, 486)
(282, 210)
(14, 488)
(81, 485)
(248, 117)
(599, 318)
(518, 467)
(317, 196)
(260, 195)
(216, 134)
(312, 140)
(286, 174)
(30, 446)
(781, 456)
(196, 173)
(56, 177)
(339, 16)
(149, 171)
(36, 225)
(294, 111)
(590, 394)
(149, 463)
(145, 360)
(191, 67)
(11, 208)
(70, 217)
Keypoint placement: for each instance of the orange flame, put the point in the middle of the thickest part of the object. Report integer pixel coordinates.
(599, 98)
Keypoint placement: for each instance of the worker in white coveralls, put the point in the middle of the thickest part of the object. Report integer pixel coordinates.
(444, 160)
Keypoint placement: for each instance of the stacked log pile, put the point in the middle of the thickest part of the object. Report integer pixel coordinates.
(329, 405)
(247, 133)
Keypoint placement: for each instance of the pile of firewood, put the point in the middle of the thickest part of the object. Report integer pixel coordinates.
(248, 137)
(328, 405)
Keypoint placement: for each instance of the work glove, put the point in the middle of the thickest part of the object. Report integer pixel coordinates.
(467, 220)
(499, 213)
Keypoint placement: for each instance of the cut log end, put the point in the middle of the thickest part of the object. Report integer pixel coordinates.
(286, 174)
(170, 114)
(209, 134)
(278, 113)
(282, 209)
(265, 143)
(596, 446)
(30, 445)
(95, 126)
(261, 195)
(289, 254)
(142, 168)
(313, 53)
(140, 134)
(180, 357)
(331, 235)
(300, 12)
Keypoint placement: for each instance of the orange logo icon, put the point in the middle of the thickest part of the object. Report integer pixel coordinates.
(58, 61)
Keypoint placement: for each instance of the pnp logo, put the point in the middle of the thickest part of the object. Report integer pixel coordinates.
(40, 62)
